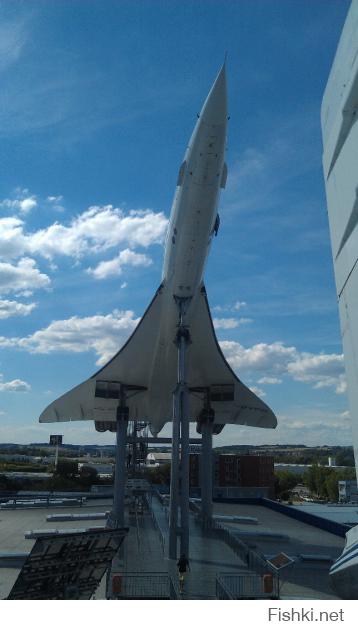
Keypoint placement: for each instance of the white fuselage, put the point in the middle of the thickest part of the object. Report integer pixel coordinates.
(194, 209)
(344, 572)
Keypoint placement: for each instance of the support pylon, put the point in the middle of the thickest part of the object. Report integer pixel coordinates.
(179, 484)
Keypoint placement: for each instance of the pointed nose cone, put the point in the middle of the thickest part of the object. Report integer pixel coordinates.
(214, 111)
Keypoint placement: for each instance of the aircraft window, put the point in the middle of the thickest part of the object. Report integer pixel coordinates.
(173, 239)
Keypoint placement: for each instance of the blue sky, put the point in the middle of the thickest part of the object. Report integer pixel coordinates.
(97, 104)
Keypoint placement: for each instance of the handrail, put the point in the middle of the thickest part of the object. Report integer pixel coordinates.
(242, 585)
(156, 524)
(146, 585)
(253, 561)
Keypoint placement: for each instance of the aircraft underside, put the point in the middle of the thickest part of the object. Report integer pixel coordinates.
(147, 366)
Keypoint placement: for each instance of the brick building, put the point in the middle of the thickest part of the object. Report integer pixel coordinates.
(237, 475)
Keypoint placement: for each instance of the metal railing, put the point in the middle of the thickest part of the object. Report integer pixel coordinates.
(254, 562)
(222, 591)
(247, 586)
(145, 586)
(155, 523)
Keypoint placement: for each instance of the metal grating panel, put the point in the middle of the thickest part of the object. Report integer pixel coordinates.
(67, 566)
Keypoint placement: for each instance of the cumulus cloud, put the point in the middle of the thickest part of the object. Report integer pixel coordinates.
(11, 308)
(229, 307)
(322, 370)
(239, 305)
(225, 323)
(12, 238)
(23, 205)
(269, 380)
(114, 267)
(94, 231)
(98, 229)
(22, 276)
(261, 357)
(276, 360)
(14, 386)
(26, 205)
(104, 334)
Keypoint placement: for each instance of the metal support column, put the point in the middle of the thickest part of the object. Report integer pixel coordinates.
(184, 450)
(179, 484)
(206, 470)
(117, 519)
(56, 457)
(205, 426)
(174, 477)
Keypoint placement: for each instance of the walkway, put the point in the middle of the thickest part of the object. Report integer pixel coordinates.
(208, 556)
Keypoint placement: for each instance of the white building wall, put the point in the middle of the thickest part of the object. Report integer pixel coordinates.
(340, 162)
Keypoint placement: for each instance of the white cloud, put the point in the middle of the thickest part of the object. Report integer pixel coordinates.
(229, 307)
(261, 357)
(10, 308)
(239, 305)
(23, 205)
(14, 386)
(21, 277)
(345, 415)
(96, 230)
(322, 370)
(269, 380)
(276, 360)
(54, 199)
(225, 323)
(12, 238)
(114, 267)
(8, 342)
(105, 334)
(26, 205)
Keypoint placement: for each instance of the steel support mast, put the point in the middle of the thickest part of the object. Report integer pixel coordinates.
(179, 484)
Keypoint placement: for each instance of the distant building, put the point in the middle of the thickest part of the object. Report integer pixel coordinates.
(347, 491)
(237, 476)
(157, 459)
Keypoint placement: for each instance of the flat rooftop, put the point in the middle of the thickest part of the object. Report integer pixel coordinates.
(14, 524)
(143, 551)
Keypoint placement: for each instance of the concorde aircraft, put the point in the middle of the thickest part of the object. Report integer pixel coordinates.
(147, 363)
